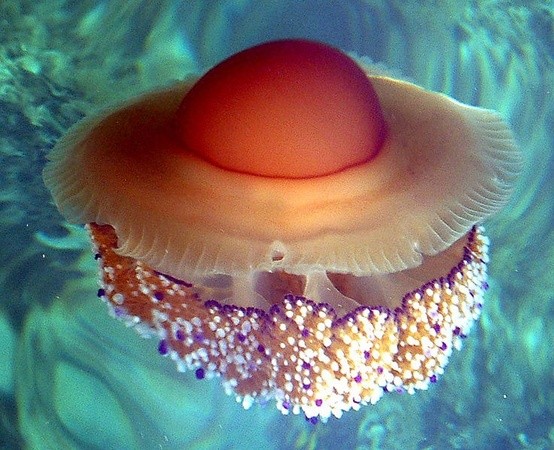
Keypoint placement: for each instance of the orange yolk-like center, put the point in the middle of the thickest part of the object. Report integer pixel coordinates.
(292, 109)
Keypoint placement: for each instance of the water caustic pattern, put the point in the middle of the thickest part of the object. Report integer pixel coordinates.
(292, 222)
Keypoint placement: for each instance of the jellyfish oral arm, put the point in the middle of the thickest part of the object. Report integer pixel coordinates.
(299, 352)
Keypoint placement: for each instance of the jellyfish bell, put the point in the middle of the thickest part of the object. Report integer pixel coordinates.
(292, 222)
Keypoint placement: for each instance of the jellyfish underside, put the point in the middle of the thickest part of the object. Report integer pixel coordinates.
(343, 291)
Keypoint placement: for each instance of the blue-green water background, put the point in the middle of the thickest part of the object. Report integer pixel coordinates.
(71, 377)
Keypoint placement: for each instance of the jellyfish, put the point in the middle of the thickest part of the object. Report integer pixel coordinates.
(294, 222)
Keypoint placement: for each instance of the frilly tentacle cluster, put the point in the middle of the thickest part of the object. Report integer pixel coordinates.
(299, 352)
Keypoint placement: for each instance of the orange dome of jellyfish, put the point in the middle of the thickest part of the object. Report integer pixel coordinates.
(293, 222)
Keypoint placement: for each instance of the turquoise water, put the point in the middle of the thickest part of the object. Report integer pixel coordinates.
(72, 377)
